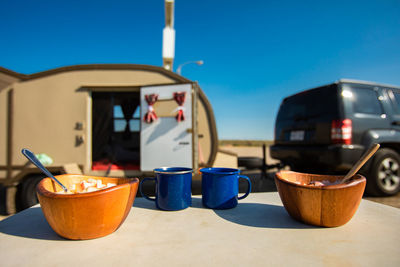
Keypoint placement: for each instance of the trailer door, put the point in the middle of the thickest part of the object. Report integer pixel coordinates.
(166, 141)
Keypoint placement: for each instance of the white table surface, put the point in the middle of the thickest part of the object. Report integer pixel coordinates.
(258, 232)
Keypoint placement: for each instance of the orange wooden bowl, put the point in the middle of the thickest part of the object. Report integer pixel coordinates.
(86, 215)
(328, 206)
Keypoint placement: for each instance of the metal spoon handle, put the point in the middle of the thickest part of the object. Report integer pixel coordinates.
(32, 158)
(365, 157)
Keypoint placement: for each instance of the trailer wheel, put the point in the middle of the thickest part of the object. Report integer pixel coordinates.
(27, 192)
(3, 200)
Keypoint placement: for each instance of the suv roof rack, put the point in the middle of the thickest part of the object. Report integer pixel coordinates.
(343, 80)
(367, 83)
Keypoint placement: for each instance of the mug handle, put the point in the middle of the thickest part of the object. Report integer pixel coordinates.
(140, 189)
(248, 187)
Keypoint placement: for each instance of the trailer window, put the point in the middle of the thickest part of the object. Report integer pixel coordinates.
(120, 123)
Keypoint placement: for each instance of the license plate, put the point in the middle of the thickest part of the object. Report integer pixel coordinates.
(296, 135)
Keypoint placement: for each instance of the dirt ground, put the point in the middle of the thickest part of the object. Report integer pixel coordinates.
(250, 151)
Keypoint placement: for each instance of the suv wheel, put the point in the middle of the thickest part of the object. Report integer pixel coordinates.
(384, 176)
(297, 168)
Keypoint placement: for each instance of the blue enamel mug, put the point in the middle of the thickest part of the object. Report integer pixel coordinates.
(173, 188)
(220, 187)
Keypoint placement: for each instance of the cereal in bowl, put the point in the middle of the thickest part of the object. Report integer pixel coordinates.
(90, 185)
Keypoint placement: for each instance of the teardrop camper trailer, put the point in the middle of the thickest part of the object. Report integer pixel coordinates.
(118, 120)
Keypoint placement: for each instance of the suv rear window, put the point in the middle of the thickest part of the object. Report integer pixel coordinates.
(309, 104)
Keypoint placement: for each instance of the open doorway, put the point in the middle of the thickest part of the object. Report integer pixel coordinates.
(115, 130)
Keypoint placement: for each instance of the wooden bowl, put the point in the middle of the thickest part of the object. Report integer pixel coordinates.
(328, 206)
(86, 215)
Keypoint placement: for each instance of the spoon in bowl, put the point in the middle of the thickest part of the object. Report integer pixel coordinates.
(364, 158)
(32, 158)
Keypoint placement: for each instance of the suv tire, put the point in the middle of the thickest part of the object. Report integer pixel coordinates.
(297, 168)
(384, 175)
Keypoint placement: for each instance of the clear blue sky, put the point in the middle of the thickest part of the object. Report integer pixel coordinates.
(255, 52)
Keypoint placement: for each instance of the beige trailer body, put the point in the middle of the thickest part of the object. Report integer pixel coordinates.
(51, 112)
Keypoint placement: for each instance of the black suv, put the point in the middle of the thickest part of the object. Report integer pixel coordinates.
(327, 129)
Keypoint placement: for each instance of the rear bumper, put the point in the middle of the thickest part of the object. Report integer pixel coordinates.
(332, 157)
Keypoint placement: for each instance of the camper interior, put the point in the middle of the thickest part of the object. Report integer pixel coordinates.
(116, 130)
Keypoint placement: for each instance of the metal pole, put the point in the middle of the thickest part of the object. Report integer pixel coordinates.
(264, 164)
(179, 69)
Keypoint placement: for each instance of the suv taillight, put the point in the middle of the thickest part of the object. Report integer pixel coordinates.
(341, 131)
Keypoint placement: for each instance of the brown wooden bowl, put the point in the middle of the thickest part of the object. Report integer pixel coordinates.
(86, 215)
(328, 206)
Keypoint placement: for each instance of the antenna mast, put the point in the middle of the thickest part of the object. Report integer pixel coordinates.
(168, 50)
